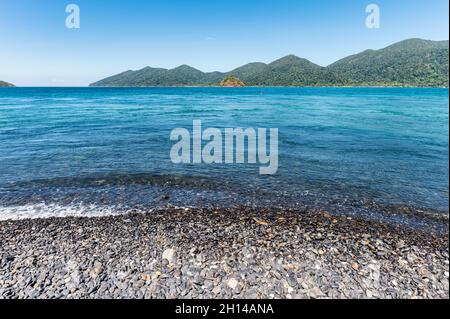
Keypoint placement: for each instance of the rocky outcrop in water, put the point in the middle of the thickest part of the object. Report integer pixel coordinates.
(232, 81)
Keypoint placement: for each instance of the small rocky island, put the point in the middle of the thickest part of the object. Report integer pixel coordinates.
(232, 81)
(5, 84)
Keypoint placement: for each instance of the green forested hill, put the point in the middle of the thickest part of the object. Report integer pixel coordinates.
(288, 71)
(413, 62)
(5, 84)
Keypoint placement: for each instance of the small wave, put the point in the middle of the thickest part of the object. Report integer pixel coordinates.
(36, 211)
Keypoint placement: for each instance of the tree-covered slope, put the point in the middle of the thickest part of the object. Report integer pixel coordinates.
(144, 77)
(413, 62)
(249, 70)
(289, 71)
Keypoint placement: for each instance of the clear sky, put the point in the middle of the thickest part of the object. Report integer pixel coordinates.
(36, 48)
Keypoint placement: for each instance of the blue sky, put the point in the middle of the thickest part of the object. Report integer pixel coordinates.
(36, 49)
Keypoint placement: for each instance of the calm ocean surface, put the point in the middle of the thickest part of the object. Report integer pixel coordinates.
(93, 151)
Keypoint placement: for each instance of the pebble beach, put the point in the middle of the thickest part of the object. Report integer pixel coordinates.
(220, 253)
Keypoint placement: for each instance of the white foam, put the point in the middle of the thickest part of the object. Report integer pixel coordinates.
(35, 211)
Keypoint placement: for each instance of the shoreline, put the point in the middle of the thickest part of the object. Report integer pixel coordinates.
(240, 87)
(280, 86)
(220, 253)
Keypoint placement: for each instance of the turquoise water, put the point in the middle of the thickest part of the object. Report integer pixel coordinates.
(347, 150)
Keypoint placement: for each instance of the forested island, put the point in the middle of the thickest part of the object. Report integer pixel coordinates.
(409, 63)
(5, 84)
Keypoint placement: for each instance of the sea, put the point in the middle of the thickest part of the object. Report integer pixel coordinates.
(376, 153)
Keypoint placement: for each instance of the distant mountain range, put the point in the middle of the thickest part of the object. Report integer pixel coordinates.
(5, 84)
(413, 62)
